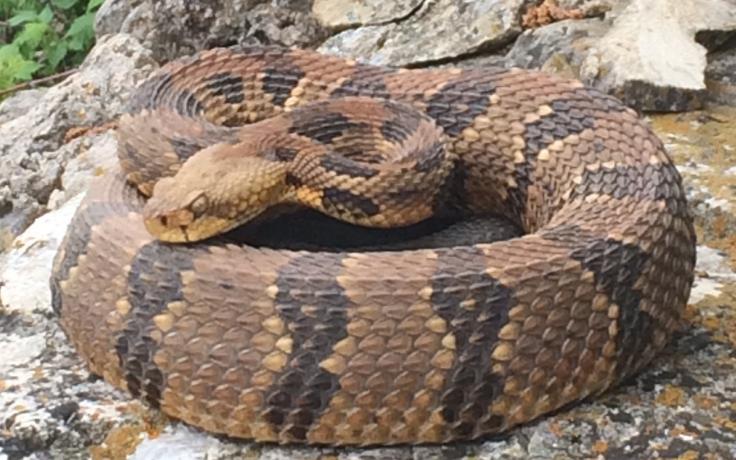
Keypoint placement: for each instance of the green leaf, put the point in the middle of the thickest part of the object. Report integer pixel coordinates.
(81, 32)
(94, 4)
(22, 17)
(46, 15)
(64, 4)
(8, 52)
(31, 36)
(56, 53)
(14, 67)
(25, 69)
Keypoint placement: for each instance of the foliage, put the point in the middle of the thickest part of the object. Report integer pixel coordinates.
(42, 37)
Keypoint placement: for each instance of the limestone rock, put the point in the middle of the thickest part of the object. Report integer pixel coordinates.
(286, 25)
(720, 74)
(172, 28)
(338, 14)
(646, 52)
(438, 30)
(31, 155)
(19, 103)
(28, 262)
(111, 16)
(650, 58)
(560, 47)
(89, 156)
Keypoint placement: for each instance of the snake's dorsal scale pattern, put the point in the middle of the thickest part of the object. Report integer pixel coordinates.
(386, 347)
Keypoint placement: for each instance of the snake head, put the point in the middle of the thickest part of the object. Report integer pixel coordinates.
(215, 190)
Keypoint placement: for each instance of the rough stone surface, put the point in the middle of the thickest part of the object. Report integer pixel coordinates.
(561, 47)
(112, 14)
(485, 24)
(646, 52)
(720, 74)
(88, 156)
(172, 28)
(339, 14)
(649, 57)
(31, 155)
(18, 104)
(29, 261)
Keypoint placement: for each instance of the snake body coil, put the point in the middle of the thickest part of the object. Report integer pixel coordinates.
(426, 345)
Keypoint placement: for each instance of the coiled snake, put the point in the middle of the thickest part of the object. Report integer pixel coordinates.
(377, 347)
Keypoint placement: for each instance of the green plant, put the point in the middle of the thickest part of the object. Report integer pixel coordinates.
(42, 37)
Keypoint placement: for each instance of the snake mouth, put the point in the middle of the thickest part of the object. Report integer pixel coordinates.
(166, 229)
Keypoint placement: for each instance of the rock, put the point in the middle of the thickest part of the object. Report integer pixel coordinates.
(29, 261)
(720, 74)
(32, 159)
(89, 156)
(650, 58)
(560, 47)
(646, 52)
(19, 103)
(172, 28)
(414, 40)
(338, 14)
(178, 442)
(111, 15)
(590, 7)
(285, 25)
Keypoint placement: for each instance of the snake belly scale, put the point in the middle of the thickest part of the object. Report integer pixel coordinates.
(410, 346)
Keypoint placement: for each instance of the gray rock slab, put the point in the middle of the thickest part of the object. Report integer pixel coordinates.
(172, 28)
(438, 30)
(340, 14)
(720, 74)
(561, 47)
(646, 52)
(650, 58)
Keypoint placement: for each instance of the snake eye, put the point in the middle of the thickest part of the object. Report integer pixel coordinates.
(199, 205)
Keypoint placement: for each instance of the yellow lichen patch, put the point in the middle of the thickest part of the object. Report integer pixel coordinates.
(119, 443)
(122, 441)
(726, 423)
(689, 455)
(600, 447)
(671, 396)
